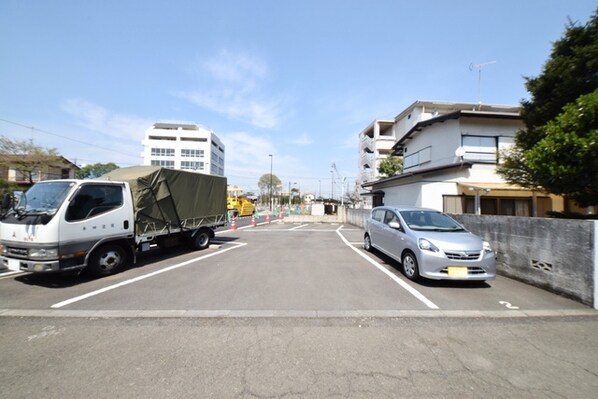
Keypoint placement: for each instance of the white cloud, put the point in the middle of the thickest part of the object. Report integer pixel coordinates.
(232, 85)
(102, 135)
(98, 119)
(237, 68)
(304, 139)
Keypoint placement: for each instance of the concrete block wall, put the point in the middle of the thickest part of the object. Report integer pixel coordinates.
(559, 255)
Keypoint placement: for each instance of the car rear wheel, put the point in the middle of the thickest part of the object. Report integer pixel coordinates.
(367, 243)
(410, 268)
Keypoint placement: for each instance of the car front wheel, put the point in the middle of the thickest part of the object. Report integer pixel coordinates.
(410, 268)
(367, 243)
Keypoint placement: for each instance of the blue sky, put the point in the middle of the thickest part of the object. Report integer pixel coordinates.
(296, 79)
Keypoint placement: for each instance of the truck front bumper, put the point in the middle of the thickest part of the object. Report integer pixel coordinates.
(35, 266)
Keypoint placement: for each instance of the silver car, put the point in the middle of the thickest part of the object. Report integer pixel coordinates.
(429, 244)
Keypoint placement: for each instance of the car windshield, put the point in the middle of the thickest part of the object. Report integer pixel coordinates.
(43, 198)
(430, 221)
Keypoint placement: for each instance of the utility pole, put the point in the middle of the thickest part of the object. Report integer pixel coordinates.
(270, 155)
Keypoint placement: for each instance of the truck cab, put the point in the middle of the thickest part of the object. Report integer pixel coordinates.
(67, 225)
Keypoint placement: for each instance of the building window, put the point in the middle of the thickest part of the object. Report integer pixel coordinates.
(162, 152)
(199, 139)
(192, 165)
(164, 164)
(480, 149)
(165, 138)
(191, 153)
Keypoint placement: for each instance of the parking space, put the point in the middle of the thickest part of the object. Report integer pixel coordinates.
(275, 268)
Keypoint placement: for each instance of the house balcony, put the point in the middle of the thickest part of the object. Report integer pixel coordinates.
(367, 159)
(366, 143)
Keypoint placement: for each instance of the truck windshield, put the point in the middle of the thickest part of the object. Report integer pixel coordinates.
(44, 198)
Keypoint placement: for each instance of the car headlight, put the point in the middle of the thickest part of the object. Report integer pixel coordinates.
(427, 245)
(487, 247)
(43, 253)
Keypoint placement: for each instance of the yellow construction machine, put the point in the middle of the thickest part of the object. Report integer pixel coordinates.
(237, 204)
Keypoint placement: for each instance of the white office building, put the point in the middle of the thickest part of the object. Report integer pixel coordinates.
(184, 146)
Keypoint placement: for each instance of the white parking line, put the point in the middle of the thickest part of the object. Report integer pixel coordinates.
(136, 279)
(298, 227)
(403, 284)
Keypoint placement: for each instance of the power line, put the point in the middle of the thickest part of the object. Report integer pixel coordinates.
(33, 128)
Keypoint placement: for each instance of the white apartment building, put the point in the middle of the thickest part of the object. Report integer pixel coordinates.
(184, 146)
(375, 144)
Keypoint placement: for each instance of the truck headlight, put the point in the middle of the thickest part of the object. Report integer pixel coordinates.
(43, 253)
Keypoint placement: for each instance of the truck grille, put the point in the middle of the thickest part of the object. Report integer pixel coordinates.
(20, 253)
(462, 255)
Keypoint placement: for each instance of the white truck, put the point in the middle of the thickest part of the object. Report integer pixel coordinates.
(100, 224)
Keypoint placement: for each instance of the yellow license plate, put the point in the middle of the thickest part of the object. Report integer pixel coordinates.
(457, 271)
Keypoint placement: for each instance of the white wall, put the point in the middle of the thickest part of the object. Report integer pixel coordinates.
(442, 139)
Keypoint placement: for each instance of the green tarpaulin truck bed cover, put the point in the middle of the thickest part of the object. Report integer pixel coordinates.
(166, 199)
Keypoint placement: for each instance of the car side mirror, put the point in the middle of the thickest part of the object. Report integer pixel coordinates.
(394, 225)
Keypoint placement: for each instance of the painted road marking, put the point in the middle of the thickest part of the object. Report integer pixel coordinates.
(403, 284)
(136, 279)
(298, 227)
(508, 305)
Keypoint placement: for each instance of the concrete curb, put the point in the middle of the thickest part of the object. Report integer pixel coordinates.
(302, 314)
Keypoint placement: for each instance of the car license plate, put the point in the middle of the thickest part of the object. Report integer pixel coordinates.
(457, 271)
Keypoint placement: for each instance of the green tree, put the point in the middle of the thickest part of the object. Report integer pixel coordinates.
(554, 152)
(269, 184)
(566, 159)
(391, 166)
(95, 170)
(27, 158)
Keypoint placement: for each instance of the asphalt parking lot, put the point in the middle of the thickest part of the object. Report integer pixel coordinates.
(310, 270)
(288, 311)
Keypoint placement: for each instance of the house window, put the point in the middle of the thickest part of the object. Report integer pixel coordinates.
(480, 148)
(458, 204)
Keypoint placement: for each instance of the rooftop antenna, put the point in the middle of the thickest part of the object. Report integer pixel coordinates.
(479, 68)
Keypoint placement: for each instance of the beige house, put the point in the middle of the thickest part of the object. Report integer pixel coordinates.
(64, 169)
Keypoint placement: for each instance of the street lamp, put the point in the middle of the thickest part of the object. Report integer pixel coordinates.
(271, 157)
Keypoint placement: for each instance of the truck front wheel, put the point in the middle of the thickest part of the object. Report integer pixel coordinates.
(106, 260)
(201, 239)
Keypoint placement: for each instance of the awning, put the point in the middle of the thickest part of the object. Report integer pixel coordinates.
(372, 193)
(492, 187)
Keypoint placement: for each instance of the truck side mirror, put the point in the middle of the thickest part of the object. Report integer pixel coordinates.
(7, 201)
